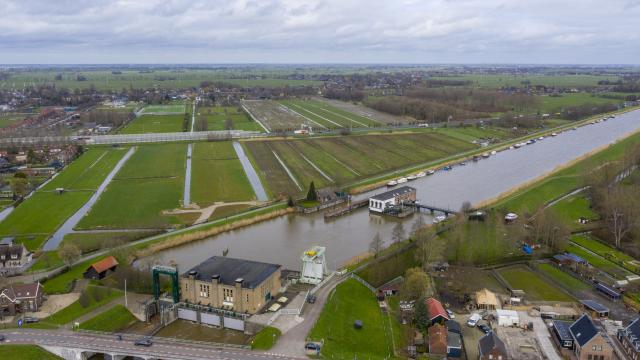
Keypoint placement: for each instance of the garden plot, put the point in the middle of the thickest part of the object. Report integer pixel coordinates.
(330, 116)
(276, 117)
(155, 124)
(225, 118)
(165, 109)
(366, 112)
(535, 287)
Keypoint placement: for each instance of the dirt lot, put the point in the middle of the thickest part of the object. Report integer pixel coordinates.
(362, 110)
(457, 282)
(274, 116)
(55, 303)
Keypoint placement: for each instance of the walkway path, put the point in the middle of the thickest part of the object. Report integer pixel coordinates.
(205, 213)
(292, 342)
(250, 172)
(66, 228)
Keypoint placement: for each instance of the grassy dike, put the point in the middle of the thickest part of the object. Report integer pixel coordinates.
(381, 180)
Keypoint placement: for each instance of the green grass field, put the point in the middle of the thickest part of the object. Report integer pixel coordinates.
(344, 159)
(217, 175)
(26, 352)
(155, 124)
(112, 320)
(98, 297)
(552, 104)
(265, 339)
(349, 302)
(600, 248)
(90, 242)
(217, 118)
(570, 210)
(535, 287)
(46, 261)
(171, 108)
(500, 80)
(599, 262)
(61, 284)
(150, 182)
(88, 171)
(563, 278)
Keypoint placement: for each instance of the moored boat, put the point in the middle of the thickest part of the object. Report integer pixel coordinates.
(392, 183)
(402, 180)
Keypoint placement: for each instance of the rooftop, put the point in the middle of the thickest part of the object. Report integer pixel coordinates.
(486, 297)
(562, 327)
(583, 330)
(393, 193)
(489, 342)
(104, 264)
(595, 306)
(435, 309)
(252, 273)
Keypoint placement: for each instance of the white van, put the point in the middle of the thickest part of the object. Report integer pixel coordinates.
(473, 320)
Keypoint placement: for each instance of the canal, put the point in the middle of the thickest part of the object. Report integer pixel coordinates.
(282, 240)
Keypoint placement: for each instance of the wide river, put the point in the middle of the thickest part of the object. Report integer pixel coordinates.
(283, 240)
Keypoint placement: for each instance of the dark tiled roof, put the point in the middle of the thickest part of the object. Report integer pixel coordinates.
(22, 291)
(595, 306)
(607, 290)
(252, 273)
(583, 330)
(489, 342)
(562, 328)
(393, 193)
(634, 328)
(453, 326)
(454, 340)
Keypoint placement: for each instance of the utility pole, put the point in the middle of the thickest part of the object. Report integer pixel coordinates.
(126, 304)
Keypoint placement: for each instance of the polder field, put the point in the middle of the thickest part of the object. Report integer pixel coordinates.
(164, 79)
(42, 213)
(218, 117)
(501, 80)
(155, 124)
(217, 175)
(333, 161)
(151, 181)
(177, 108)
(329, 116)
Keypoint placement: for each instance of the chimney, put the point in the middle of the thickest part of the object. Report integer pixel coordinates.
(215, 278)
(192, 274)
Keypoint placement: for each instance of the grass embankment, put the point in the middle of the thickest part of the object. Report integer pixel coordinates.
(90, 242)
(597, 260)
(265, 339)
(151, 181)
(26, 352)
(562, 277)
(112, 320)
(351, 301)
(535, 287)
(40, 215)
(571, 209)
(217, 175)
(155, 124)
(62, 283)
(96, 297)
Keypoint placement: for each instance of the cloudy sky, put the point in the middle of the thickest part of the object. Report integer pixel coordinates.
(320, 31)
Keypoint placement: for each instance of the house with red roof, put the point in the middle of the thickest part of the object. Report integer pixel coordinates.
(100, 269)
(437, 313)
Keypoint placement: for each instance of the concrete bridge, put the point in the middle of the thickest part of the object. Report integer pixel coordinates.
(83, 345)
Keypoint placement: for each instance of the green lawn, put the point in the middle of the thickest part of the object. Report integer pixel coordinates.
(600, 248)
(571, 209)
(155, 124)
(112, 320)
(599, 262)
(98, 296)
(217, 174)
(46, 261)
(501, 80)
(171, 108)
(60, 284)
(265, 339)
(89, 242)
(562, 277)
(217, 118)
(352, 301)
(25, 352)
(150, 182)
(552, 104)
(535, 287)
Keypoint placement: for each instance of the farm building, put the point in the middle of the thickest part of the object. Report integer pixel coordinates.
(561, 333)
(100, 269)
(507, 317)
(437, 313)
(588, 342)
(437, 340)
(232, 284)
(595, 309)
(396, 197)
(13, 256)
(492, 347)
(20, 298)
(486, 299)
(392, 287)
(629, 337)
(608, 292)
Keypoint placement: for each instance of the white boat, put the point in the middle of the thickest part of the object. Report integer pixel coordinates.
(411, 177)
(511, 147)
(494, 152)
(485, 155)
(541, 138)
(554, 134)
(431, 172)
(511, 217)
(402, 180)
(517, 146)
(392, 183)
(575, 128)
(421, 174)
(439, 218)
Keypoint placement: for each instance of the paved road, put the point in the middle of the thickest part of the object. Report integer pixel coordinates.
(161, 348)
(292, 342)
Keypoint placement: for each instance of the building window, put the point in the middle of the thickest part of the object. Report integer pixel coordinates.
(247, 297)
(228, 295)
(204, 290)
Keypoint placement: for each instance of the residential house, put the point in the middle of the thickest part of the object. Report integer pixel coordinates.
(629, 337)
(437, 313)
(232, 284)
(13, 256)
(491, 347)
(437, 340)
(20, 298)
(99, 270)
(454, 340)
(589, 343)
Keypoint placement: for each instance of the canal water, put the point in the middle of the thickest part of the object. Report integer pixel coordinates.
(282, 240)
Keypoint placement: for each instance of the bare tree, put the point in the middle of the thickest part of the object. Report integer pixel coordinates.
(425, 241)
(621, 208)
(69, 253)
(398, 233)
(376, 245)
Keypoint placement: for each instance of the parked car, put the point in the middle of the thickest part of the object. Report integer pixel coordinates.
(451, 314)
(143, 342)
(473, 320)
(30, 319)
(311, 299)
(484, 328)
(2, 338)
